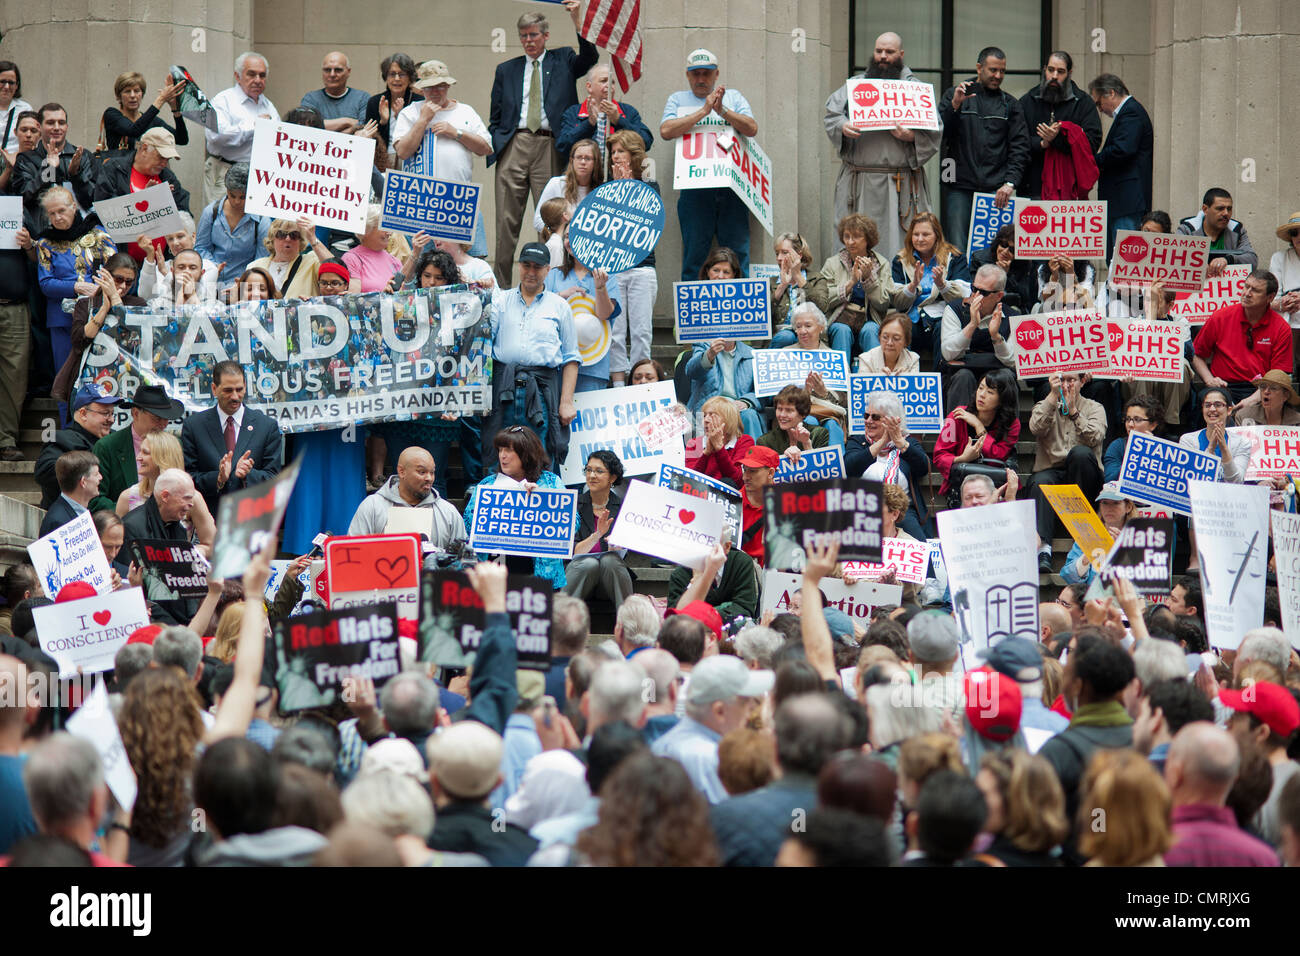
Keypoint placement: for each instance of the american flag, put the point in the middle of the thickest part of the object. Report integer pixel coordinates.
(615, 25)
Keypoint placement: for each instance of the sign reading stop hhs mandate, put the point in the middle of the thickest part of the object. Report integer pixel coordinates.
(1073, 341)
(1180, 262)
(1047, 228)
(884, 104)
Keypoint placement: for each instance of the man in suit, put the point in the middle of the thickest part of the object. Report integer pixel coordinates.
(529, 96)
(1124, 161)
(229, 447)
(92, 417)
(78, 475)
(118, 453)
(583, 120)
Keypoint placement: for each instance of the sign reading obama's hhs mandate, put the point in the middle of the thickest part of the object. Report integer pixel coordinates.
(884, 104)
(1141, 258)
(1071, 341)
(1050, 228)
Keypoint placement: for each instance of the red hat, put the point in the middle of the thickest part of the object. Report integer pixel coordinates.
(145, 635)
(993, 704)
(761, 457)
(407, 628)
(336, 268)
(75, 591)
(705, 613)
(1271, 704)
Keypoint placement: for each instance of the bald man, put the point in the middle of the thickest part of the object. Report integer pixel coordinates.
(16, 820)
(661, 710)
(412, 488)
(162, 517)
(1053, 621)
(341, 107)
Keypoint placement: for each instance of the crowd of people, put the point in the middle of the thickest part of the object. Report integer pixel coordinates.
(712, 732)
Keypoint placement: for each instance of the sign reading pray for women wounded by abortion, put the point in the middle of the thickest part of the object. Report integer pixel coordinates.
(920, 393)
(1156, 471)
(311, 364)
(86, 634)
(991, 556)
(609, 420)
(667, 524)
(698, 485)
(415, 203)
(1048, 227)
(299, 171)
(1071, 341)
(173, 570)
(452, 619)
(774, 369)
(1274, 450)
(815, 464)
(810, 514)
(150, 212)
(71, 552)
(1218, 291)
(1231, 525)
(1143, 553)
(616, 226)
(1286, 551)
(247, 519)
(538, 523)
(985, 221)
(1142, 258)
(884, 104)
(318, 655)
(714, 155)
(722, 309)
(1145, 350)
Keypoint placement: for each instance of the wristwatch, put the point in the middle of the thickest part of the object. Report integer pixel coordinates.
(458, 132)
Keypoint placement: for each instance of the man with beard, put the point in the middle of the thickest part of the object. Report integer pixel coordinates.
(984, 134)
(1055, 101)
(882, 173)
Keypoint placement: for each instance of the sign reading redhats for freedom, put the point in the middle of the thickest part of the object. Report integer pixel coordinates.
(985, 221)
(1141, 258)
(299, 171)
(173, 570)
(667, 524)
(713, 155)
(85, 635)
(858, 600)
(920, 393)
(368, 569)
(816, 464)
(617, 225)
(1070, 341)
(724, 309)
(1047, 228)
(538, 523)
(1143, 553)
(906, 558)
(150, 212)
(610, 420)
(1274, 450)
(415, 203)
(317, 656)
(810, 513)
(774, 369)
(247, 518)
(698, 485)
(884, 104)
(1145, 349)
(1218, 291)
(1157, 471)
(71, 552)
(452, 619)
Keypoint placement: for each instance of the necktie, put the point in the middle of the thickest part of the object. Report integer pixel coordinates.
(534, 121)
(230, 435)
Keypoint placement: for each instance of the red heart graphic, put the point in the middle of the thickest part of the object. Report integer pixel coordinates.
(142, 205)
(102, 617)
(392, 569)
(686, 516)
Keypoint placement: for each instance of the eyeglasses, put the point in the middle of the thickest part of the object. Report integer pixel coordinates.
(1135, 421)
(514, 429)
(8, 82)
(1214, 405)
(295, 236)
(594, 471)
(1292, 234)
(333, 69)
(396, 74)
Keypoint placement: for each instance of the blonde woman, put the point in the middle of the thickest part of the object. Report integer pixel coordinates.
(295, 256)
(227, 636)
(1124, 812)
(158, 452)
(724, 444)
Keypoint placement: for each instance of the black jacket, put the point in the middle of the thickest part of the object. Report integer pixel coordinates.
(1124, 163)
(204, 445)
(72, 438)
(1022, 277)
(146, 523)
(59, 514)
(561, 67)
(471, 828)
(986, 137)
(115, 180)
(1076, 108)
(28, 182)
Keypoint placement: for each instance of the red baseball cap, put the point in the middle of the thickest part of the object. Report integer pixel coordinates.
(407, 628)
(706, 614)
(1271, 704)
(761, 457)
(993, 704)
(75, 591)
(145, 635)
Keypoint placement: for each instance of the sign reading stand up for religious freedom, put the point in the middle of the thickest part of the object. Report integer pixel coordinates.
(445, 210)
(722, 309)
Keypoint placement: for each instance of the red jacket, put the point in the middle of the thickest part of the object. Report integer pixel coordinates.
(725, 463)
(954, 437)
(1069, 175)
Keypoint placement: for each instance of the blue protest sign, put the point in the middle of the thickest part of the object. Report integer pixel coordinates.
(616, 226)
(1156, 471)
(921, 395)
(819, 464)
(415, 203)
(723, 309)
(985, 221)
(774, 369)
(538, 523)
(702, 486)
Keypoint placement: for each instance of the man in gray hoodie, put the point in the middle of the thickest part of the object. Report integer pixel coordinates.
(412, 487)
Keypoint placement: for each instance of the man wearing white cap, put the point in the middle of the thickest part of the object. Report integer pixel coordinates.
(718, 699)
(705, 213)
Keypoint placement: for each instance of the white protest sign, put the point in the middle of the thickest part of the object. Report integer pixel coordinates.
(816, 464)
(93, 722)
(11, 221)
(1146, 349)
(1218, 291)
(1286, 550)
(1142, 258)
(150, 212)
(713, 155)
(299, 171)
(991, 554)
(1075, 340)
(764, 270)
(71, 553)
(884, 104)
(667, 524)
(1231, 525)
(855, 600)
(905, 557)
(774, 369)
(610, 420)
(88, 633)
(1049, 227)
(661, 428)
(1274, 450)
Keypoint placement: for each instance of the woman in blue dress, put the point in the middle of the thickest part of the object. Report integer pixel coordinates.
(69, 254)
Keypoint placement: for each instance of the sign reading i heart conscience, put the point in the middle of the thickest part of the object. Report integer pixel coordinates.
(616, 226)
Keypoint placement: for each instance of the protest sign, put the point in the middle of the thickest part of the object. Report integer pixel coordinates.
(247, 519)
(726, 309)
(985, 221)
(663, 428)
(538, 523)
(452, 619)
(1143, 553)
(11, 221)
(1142, 258)
(94, 723)
(713, 155)
(1286, 551)
(610, 420)
(698, 485)
(1076, 340)
(1075, 511)
(774, 369)
(764, 270)
(279, 572)
(300, 171)
(1145, 349)
(908, 560)
(816, 464)
(1274, 450)
(616, 225)
(311, 364)
(1231, 525)
(1218, 291)
(411, 521)
(811, 513)
(368, 569)
(150, 212)
(672, 525)
(1048, 227)
(71, 552)
(781, 590)
(1156, 471)
(991, 556)
(172, 570)
(884, 104)
(86, 634)
(445, 210)
(920, 393)
(318, 656)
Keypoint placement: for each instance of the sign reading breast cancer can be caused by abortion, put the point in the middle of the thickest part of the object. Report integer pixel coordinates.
(616, 226)
(1047, 228)
(1070, 341)
(884, 104)
(1141, 258)
(299, 171)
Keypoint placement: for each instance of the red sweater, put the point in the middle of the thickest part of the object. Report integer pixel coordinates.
(955, 435)
(725, 464)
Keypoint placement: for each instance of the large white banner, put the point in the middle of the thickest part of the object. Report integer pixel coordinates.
(1231, 525)
(780, 590)
(607, 420)
(1286, 550)
(299, 171)
(86, 635)
(71, 552)
(713, 155)
(667, 524)
(992, 561)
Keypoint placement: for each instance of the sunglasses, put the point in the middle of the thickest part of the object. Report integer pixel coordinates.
(514, 429)
(875, 417)
(295, 236)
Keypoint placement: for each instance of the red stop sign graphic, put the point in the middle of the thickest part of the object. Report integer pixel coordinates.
(1133, 249)
(1116, 335)
(1033, 219)
(1030, 335)
(866, 95)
